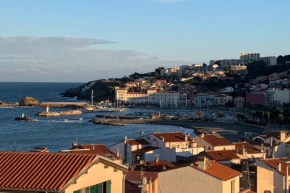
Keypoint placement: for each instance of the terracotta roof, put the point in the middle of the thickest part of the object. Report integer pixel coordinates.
(216, 140)
(273, 164)
(218, 170)
(159, 163)
(275, 134)
(222, 155)
(171, 136)
(247, 191)
(248, 147)
(98, 149)
(145, 149)
(40, 171)
(137, 142)
(138, 175)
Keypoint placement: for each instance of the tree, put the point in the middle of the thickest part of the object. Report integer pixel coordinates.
(220, 114)
(253, 113)
(287, 120)
(280, 119)
(199, 113)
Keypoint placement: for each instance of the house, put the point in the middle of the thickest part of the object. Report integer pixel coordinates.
(59, 172)
(98, 149)
(256, 97)
(125, 149)
(245, 150)
(273, 143)
(226, 157)
(239, 102)
(273, 176)
(181, 144)
(213, 142)
(167, 145)
(205, 176)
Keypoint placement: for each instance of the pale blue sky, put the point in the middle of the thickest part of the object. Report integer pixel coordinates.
(145, 34)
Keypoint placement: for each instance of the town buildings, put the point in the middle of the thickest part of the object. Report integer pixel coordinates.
(276, 97)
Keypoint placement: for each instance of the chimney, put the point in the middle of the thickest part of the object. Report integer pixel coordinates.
(157, 158)
(118, 152)
(141, 134)
(271, 142)
(186, 137)
(282, 135)
(74, 144)
(279, 167)
(162, 138)
(262, 148)
(125, 139)
(202, 135)
(202, 162)
(243, 150)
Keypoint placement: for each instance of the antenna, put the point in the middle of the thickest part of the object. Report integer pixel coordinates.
(92, 98)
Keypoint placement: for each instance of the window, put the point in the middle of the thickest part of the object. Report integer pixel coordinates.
(104, 187)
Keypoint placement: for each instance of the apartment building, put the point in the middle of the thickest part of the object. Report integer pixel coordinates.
(248, 57)
(270, 60)
(276, 97)
(256, 98)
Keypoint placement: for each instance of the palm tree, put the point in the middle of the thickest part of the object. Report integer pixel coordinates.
(280, 119)
(253, 113)
(220, 114)
(287, 120)
(241, 116)
(199, 113)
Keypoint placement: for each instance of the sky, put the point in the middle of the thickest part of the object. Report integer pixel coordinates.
(84, 40)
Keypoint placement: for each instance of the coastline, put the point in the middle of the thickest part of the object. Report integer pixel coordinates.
(200, 126)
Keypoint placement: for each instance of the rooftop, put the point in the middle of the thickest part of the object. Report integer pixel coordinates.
(215, 139)
(222, 155)
(218, 170)
(40, 171)
(248, 147)
(171, 136)
(138, 175)
(137, 142)
(273, 164)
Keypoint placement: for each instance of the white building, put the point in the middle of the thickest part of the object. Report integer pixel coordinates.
(277, 97)
(247, 57)
(152, 96)
(270, 60)
(167, 145)
(213, 142)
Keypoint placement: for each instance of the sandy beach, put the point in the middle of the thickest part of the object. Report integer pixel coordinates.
(201, 126)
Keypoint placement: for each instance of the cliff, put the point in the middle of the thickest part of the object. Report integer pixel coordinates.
(102, 90)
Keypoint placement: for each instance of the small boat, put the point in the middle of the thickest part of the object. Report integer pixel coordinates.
(23, 118)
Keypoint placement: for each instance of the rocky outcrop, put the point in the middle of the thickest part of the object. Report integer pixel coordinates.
(29, 101)
(2, 103)
(61, 113)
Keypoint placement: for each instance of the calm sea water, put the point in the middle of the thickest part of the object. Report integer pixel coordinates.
(57, 133)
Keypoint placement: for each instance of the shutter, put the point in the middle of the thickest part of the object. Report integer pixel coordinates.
(99, 188)
(77, 191)
(93, 189)
(108, 186)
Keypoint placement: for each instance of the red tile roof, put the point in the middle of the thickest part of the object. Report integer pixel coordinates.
(248, 147)
(273, 164)
(145, 149)
(171, 136)
(216, 140)
(218, 170)
(137, 142)
(40, 171)
(222, 155)
(247, 191)
(98, 149)
(138, 175)
(275, 134)
(159, 163)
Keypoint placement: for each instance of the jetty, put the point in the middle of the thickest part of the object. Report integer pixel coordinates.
(61, 113)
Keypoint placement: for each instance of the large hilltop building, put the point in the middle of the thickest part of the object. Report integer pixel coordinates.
(152, 96)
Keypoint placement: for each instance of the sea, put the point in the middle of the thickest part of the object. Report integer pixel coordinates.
(58, 133)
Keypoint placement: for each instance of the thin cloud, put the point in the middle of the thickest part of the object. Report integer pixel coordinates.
(74, 59)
